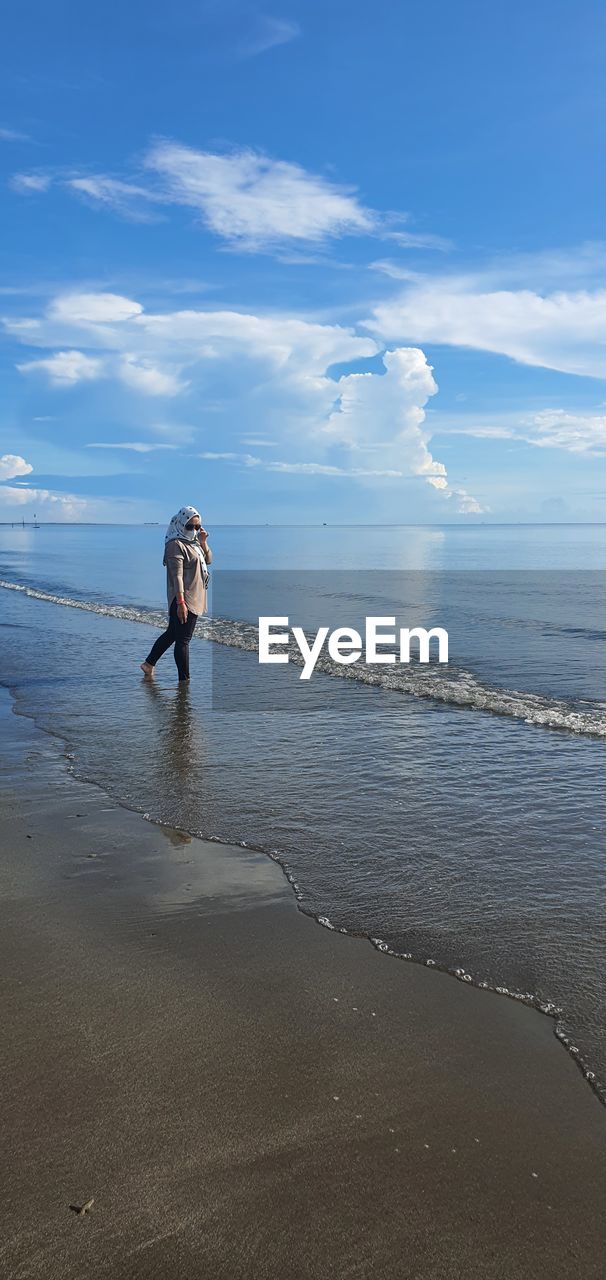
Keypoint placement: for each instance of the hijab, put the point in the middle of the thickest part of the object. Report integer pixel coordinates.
(177, 527)
(177, 530)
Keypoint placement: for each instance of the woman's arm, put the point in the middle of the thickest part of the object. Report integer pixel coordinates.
(174, 561)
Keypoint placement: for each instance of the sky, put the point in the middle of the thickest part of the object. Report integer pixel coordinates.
(305, 262)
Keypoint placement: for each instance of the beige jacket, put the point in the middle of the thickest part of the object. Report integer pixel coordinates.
(184, 574)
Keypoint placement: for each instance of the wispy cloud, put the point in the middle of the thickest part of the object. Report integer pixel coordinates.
(248, 199)
(258, 442)
(395, 270)
(13, 135)
(253, 201)
(125, 198)
(296, 468)
(324, 469)
(417, 240)
(269, 33)
(571, 431)
(136, 446)
(30, 183)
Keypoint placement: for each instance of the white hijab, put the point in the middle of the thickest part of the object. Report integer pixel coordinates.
(177, 529)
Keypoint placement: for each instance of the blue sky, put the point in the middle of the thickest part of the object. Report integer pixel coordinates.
(305, 262)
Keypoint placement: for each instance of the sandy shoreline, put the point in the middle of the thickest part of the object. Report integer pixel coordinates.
(246, 1093)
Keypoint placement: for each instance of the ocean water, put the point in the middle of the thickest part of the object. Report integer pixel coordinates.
(455, 815)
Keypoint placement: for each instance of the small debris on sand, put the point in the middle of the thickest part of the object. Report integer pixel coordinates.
(83, 1209)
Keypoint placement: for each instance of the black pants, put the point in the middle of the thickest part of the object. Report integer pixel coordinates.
(179, 634)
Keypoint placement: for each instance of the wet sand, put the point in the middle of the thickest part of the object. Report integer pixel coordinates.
(247, 1094)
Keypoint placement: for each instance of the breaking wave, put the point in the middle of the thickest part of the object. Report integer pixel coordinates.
(452, 686)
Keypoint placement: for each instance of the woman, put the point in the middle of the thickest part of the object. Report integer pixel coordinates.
(186, 556)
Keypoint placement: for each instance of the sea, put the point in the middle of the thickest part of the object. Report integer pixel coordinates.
(452, 813)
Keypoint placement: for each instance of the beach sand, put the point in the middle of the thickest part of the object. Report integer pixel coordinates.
(246, 1093)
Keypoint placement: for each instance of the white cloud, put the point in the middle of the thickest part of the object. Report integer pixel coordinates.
(93, 308)
(11, 465)
(386, 414)
(559, 330)
(65, 368)
(394, 270)
(143, 376)
(279, 340)
(417, 240)
(262, 371)
(125, 198)
(324, 469)
(253, 201)
(270, 32)
(467, 505)
(137, 446)
(296, 468)
(573, 432)
(467, 427)
(30, 183)
(55, 505)
(87, 317)
(381, 417)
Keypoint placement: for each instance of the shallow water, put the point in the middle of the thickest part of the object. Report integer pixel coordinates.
(408, 811)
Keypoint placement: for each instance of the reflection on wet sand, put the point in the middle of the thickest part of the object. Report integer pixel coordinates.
(175, 836)
(214, 876)
(179, 742)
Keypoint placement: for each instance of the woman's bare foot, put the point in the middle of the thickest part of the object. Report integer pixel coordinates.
(147, 669)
